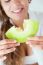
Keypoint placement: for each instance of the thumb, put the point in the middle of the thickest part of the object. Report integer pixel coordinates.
(36, 38)
(2, 58)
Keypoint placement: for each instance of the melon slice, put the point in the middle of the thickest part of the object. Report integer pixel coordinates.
(30, 28)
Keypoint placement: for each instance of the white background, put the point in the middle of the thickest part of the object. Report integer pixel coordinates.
(36, 12)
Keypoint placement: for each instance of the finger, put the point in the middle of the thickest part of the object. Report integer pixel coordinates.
(10, 41)
(32, 38)
(36, 38)
(6, 51)
(8, 46)
(7, 41)
(38, 44)
(32, 42)
(35, 42)
(4, 42)
(2, 58)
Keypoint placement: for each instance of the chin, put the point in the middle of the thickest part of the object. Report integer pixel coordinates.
(18, 19)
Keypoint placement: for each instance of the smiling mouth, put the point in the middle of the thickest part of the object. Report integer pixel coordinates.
(18, 11)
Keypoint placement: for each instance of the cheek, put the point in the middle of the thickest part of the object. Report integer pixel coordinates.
(6, 8)
(25, 8)
(25, 4)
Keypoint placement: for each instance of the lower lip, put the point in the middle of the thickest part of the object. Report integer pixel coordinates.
(18, 12)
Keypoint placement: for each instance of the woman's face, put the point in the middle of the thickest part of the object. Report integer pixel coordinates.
(15, 9)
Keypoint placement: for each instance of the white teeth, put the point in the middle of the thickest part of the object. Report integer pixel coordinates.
(16, 11)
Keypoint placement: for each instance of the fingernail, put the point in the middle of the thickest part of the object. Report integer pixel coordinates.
(14, 49)
(27, 42)
(18, 44)
(15, 41)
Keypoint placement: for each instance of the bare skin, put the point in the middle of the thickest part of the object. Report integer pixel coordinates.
(36, 42)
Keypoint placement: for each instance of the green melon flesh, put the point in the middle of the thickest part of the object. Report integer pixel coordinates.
(30, 29)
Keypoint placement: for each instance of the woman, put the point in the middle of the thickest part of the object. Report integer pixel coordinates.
(13, 12)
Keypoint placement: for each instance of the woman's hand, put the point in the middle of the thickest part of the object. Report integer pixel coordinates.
(7, 46)
(36, 41)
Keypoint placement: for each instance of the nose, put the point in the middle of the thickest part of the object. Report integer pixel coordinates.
(17, 2)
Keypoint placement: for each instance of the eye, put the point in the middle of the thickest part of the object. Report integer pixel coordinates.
(7, 0)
